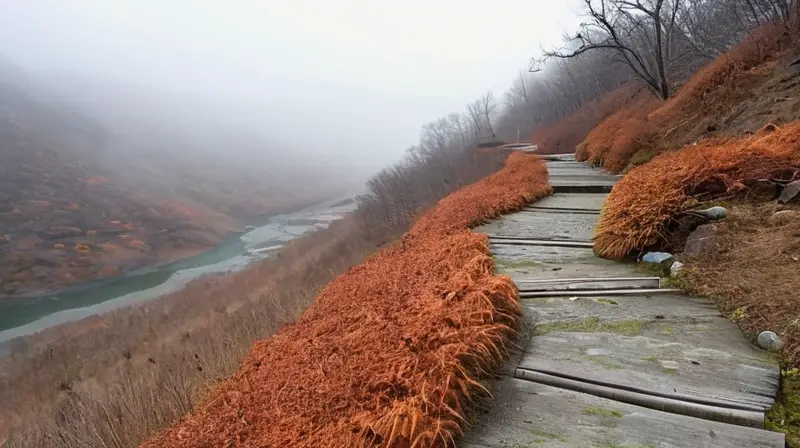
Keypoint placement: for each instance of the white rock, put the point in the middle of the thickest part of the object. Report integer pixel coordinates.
(676, 268)
(769, 341)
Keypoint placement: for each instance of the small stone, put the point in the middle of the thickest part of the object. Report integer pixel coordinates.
(675, 269)
(768, 340)
(714, 213)
(657, 258)
(784, 217)
(789, 192)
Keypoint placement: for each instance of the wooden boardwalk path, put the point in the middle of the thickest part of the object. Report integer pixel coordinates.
(614, 359)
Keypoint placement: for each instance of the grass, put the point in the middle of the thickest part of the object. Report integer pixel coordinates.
(592, 325)
(784, 416)
(549, 435)
(607, 301)
(602, 362)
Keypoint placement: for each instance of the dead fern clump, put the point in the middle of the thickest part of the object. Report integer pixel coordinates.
(392, 352)
(624, 132)
(640, 207)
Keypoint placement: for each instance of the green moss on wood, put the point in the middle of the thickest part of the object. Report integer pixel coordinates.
(593, 325)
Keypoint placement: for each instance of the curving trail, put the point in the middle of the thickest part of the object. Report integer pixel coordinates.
(613, 360)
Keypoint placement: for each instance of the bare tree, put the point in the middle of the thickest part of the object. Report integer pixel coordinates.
(640, 33)
(487, 108)
(474, 113)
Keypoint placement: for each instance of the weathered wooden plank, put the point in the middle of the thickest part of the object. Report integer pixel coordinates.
(579, 227)
(587, 283)
(581, 201)
(733, 416)
(664, 308)
(558, 157)
(560, 210)
(591, 293)
(505, 239)
(653, 366)
(526, 414)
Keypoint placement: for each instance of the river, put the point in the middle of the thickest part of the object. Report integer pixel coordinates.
(29, 315)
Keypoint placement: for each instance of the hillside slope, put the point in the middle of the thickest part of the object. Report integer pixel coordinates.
(79, 201)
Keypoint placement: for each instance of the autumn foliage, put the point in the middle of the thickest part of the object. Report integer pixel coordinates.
(647, 125)
(391, 352)
(621, 135)
(564, 135)
(640, 207)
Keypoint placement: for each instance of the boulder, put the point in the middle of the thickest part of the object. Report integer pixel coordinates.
(701, 240)
(784, 217)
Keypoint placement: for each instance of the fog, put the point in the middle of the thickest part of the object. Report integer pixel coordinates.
(342, 84)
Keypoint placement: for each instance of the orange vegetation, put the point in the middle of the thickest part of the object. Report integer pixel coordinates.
(564, 135)
(390, 353)
(138, 244)
(82, 248)
(619, 136)
(97, 180)
(182, 210)
(648, 125)
(641, 205)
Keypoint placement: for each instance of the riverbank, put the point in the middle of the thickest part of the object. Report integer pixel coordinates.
(42, 371)
(29, 315)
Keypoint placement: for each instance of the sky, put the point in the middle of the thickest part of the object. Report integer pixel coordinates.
(343, 81)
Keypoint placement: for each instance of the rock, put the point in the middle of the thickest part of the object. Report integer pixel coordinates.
(714, 213)
(701, 240)
(790, 192)
(784, 217)
(664, 258)
(248, 228)
(769, 341)
(675, 269)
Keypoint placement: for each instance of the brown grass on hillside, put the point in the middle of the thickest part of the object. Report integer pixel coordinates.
(564, 135)
(56, 387)
(766, 297)
(619, 136)
(710, 102)
(641, 206)
(390, 353)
